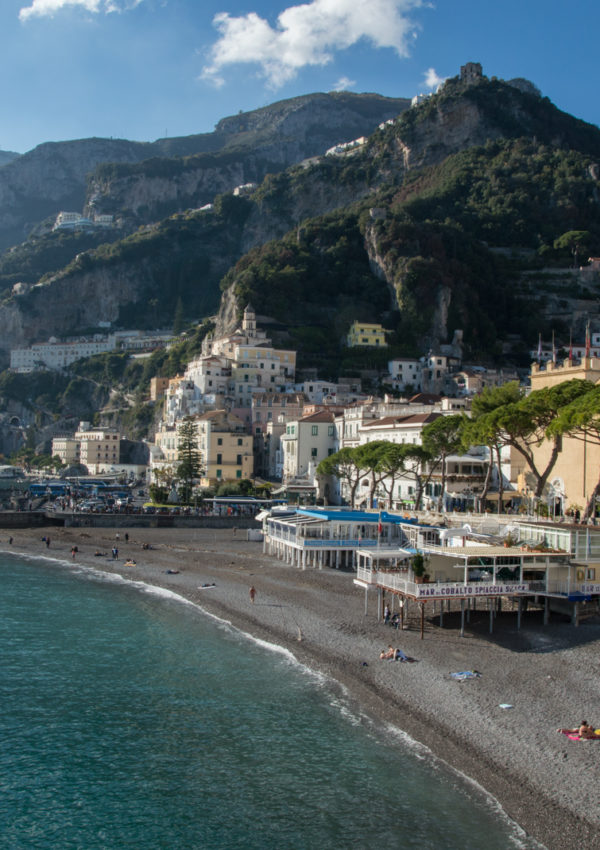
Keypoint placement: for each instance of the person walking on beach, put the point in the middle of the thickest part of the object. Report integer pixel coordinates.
(252, 594)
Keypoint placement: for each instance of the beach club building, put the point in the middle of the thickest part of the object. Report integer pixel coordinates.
(543, 564)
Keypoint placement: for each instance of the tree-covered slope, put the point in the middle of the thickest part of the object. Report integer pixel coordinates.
(426, 260)
(428, 227)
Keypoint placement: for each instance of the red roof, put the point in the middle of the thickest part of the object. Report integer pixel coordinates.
(412, 419)
(320, 416)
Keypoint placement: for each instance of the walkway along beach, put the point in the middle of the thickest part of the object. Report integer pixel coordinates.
(548, 675)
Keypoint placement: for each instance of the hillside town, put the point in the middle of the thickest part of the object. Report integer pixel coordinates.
(255, 422)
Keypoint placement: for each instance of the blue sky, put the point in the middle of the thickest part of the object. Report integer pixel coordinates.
(143, 69)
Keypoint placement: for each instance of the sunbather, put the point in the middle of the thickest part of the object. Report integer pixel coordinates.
(583, 731)
(389, 653)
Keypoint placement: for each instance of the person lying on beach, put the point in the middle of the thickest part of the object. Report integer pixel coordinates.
(583, 731)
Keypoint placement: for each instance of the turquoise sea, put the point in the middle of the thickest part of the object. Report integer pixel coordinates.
(131, 719)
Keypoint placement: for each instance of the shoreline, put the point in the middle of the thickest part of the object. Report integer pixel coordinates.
(544, 782)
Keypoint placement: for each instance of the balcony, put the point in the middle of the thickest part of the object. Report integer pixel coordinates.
(399, 582)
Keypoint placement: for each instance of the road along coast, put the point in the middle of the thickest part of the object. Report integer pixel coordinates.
(548, 675)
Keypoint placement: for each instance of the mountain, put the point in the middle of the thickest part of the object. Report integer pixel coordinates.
(455, 215)
(143, 181)
(7, 156)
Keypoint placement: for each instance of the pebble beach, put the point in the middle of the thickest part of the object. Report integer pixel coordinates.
(499, 728)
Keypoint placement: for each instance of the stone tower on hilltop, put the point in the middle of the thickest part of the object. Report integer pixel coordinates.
(471, 73)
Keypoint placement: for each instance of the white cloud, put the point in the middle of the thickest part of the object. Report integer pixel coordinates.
(432, 79)
(308, 35)
(48, 8)
(343, 83)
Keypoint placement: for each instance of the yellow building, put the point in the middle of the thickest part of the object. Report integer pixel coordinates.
(226, 449)
(575, 474)
(366, 334)
(100, 448)
(158, 387)
(67, 448)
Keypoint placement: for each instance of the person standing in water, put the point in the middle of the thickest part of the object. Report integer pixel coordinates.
(252, 593)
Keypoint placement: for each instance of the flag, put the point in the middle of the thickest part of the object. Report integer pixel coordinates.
(539, 356)
(379, 526)
(571, 346)
(553, 350)
(587, 340)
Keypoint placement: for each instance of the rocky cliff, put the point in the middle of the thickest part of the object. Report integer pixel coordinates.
(54, 175)
(252, 145)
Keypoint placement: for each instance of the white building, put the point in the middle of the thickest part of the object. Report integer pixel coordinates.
(306, 442)
(346, 147)
(405, 372)
(67, 448)
(56, 355)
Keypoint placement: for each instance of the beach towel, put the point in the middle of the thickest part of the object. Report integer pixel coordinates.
(466, 674)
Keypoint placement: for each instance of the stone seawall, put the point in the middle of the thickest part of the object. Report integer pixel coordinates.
(39, 519)
(23, 519)
(153, 521)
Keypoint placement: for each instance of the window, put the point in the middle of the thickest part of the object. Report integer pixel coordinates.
(313, 452)
(219, 441)
(330, 430)
(238, 473)
(219, 458)
(240, 441)
(314, 430)
(219, 473)
(238, 460)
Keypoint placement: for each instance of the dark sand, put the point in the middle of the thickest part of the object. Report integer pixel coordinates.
(545, 782)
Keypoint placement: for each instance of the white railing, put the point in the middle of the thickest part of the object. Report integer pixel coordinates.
(400, 583)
